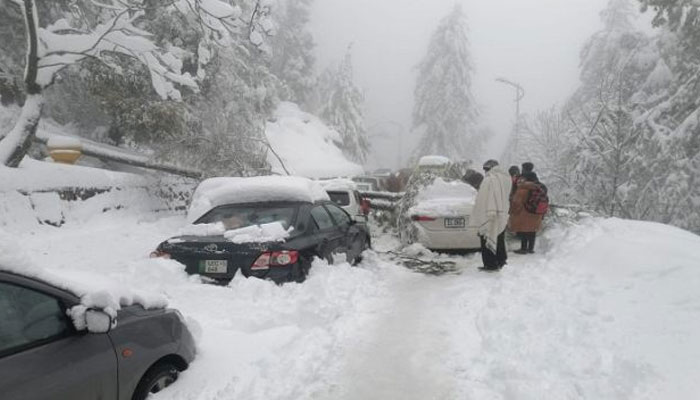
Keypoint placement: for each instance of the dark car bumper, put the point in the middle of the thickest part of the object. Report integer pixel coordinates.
(279, 275)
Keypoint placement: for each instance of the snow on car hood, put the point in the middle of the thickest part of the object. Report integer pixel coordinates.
(216, 192)
(93, 290)
(444, 199)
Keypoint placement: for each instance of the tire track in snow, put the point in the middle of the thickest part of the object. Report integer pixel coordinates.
(403, 355)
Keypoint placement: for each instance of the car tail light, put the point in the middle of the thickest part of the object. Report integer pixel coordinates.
(422, 218)
(263, 262)
(282, 258)
(160, 254)
(275, 259)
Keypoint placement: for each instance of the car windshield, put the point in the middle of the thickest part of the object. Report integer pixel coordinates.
(241, 216)
(340, 198)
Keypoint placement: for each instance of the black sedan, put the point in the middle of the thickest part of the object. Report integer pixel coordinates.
(321, 229)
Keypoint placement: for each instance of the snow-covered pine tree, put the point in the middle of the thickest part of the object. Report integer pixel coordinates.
(609, 154)
(445, 111)
(342, 108)
(292, 50)
(548, 142)
(674, 109)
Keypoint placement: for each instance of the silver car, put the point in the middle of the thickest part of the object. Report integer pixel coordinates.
(43, 356)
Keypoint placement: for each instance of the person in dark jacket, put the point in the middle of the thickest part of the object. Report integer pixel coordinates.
(528, 167)
(523, 222)
(473, 178)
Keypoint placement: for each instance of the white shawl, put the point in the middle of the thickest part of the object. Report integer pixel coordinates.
(490, 213)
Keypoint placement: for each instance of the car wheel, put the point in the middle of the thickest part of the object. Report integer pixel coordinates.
(157, 378)
(300, 271)
(365, 246)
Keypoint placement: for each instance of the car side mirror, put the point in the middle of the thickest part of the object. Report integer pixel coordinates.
(98, 321)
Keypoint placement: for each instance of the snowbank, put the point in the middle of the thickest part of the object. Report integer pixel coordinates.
(39, 175)
(445, 199)
(215, 192)
(306, 145)
(608, 309)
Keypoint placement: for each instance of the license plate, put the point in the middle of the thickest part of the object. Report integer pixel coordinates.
(455, 223)
(213, 266)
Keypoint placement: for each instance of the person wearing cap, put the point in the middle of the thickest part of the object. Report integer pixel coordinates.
(514, 172)
(490, 215)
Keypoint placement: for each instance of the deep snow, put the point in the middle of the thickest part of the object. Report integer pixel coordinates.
(607, 309)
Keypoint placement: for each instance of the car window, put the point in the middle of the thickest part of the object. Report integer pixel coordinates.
(242, 216)
(340, 198)
(341, 217)
(322, 218)
(358, 199)
(28, 317)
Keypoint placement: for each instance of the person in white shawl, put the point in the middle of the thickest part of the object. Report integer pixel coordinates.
(490, 215)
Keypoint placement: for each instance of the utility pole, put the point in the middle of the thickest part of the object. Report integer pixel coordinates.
(519, 95)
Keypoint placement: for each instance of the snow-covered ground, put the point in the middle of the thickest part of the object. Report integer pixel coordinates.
(607, 309)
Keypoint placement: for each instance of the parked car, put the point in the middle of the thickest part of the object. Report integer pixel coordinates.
(344, 193)
(440, 217)
(436, 207)
(367, 183)
(45, 355)
(264, 227)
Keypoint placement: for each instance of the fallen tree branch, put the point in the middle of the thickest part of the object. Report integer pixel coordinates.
(103, 154)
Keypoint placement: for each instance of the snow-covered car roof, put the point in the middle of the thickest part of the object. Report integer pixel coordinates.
(340, 185)
(444, 199)
(93, 290)
(433, 161)
(215, 192)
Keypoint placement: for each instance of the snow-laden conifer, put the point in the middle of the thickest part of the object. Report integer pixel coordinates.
(293, 50)
(445, 111)
(342, 108)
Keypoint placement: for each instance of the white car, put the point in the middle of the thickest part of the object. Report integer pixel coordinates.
(440, 216)
(345, 194)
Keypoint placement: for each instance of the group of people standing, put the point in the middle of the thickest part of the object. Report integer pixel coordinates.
(515, 200)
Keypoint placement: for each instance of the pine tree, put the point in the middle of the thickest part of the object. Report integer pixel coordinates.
(674, 115)
(609, 151)
(292, 51)
(342, 109)
(445, 111)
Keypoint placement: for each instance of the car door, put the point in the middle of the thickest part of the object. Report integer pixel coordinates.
(42, 356)
(329, 237)
(352, 240)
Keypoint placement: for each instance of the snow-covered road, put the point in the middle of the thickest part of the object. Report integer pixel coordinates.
(610, 309)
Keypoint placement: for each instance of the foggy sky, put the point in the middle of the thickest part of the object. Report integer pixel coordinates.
(534, 42)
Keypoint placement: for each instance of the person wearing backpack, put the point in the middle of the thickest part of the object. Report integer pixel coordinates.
(528, 206)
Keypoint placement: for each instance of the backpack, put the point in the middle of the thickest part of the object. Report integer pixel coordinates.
(537, 201)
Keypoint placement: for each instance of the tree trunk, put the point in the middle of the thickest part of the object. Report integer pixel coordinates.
(16, 144)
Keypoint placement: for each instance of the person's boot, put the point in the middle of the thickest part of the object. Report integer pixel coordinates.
(521, 251)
